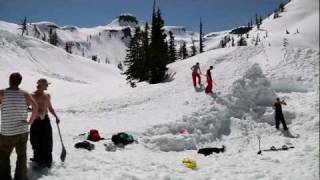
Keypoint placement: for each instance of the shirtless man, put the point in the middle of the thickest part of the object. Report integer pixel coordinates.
(41, 131)
(196, 74)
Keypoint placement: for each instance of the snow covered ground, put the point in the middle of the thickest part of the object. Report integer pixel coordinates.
(88, 96)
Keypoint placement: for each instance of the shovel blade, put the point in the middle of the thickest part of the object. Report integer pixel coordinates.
(259, 152)
(63, 154)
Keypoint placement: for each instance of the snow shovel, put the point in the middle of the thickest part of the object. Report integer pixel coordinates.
(259, 139)
(63, 152)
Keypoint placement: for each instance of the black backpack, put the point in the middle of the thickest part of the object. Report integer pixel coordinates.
(84, 145)
(122, 138)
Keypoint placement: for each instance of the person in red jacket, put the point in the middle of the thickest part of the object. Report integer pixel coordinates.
(196, 74)
(209, 81)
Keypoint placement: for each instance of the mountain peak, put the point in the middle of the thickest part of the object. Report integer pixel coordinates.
(125, 20)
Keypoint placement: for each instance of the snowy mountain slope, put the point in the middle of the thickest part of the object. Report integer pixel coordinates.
(36, 59)
(108, 43)
(88, 95)
(301, 16)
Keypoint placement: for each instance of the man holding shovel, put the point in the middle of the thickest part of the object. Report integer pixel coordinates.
(41, 130)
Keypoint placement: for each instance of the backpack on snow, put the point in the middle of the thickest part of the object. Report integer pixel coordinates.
(84, 145)
(122, 138)
(94, 135)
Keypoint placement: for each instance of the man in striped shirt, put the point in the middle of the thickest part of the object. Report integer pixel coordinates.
(14, 127)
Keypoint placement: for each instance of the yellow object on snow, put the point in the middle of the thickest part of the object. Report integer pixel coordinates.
(189, 163)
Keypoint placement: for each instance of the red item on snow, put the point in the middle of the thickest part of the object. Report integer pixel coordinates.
(94, 135)
(183, 131)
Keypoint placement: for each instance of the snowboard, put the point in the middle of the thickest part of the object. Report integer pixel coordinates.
(283, 148)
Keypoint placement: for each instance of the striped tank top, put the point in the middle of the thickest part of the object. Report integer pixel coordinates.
(14, 113)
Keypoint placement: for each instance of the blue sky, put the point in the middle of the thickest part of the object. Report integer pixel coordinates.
(216, 14)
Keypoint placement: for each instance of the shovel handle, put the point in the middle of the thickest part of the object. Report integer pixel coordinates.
(60, 135)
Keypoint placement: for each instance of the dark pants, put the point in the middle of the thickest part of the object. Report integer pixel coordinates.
(280, 118)
(7, 143)
(41, 140)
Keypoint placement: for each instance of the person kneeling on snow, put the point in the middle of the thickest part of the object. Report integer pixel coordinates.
(278, 113)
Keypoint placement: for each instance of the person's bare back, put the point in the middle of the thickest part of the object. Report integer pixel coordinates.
(43, 101)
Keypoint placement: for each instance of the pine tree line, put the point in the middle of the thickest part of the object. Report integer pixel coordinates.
(148, 55)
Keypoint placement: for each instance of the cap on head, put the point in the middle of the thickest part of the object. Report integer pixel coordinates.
(15, 79)
(211, 67)
(43, 81)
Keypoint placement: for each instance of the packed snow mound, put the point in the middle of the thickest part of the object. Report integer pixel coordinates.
(290, 69)
(250, 95)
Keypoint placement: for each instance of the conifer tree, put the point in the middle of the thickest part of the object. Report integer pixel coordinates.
(53, 37)
(24, 26)
(68, 47)
(232, 41)
(147, 57)
(172, 48)
(159, 57)
(133, 57)
(44, 38)
(201, 38)
(281, 7)
(242, 41)
(36, 31)
(183, 52)
(193, 49)
(145, 53)
(258, 21)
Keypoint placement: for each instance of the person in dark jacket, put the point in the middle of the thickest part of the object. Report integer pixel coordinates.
(209, 80)
(277, 106)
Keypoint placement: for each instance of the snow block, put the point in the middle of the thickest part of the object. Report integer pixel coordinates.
(249, 97)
